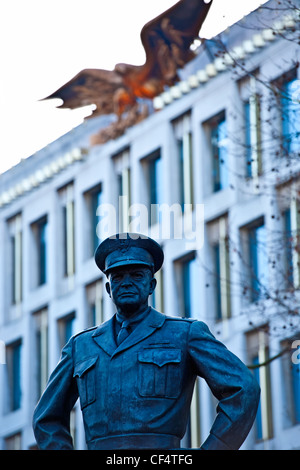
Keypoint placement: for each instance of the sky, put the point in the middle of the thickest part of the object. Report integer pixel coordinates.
(45, 43)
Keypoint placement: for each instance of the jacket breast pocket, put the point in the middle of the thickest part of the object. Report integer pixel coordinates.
(159, 373)
(85, 374)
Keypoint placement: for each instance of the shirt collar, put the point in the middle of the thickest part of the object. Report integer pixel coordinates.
(133, 319)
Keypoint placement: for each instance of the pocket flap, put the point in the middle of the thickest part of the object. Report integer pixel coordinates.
(160, 357)
(83, 366)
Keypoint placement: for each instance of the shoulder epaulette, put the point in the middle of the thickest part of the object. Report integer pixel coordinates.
(181, 319)
(85, 331)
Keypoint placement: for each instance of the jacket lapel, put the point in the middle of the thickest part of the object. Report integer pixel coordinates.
(104, 335)
(152, 321)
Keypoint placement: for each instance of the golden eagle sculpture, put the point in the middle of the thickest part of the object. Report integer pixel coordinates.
(166, 40)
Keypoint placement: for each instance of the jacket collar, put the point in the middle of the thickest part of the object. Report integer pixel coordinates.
(104, 334)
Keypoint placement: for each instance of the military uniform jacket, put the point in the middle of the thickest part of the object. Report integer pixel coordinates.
(138, 395)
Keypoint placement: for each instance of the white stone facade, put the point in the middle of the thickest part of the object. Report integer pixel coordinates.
(57, 187)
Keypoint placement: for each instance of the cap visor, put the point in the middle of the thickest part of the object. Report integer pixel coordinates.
(132, 262)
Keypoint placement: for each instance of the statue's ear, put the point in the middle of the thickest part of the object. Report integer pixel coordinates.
(153, 283)
(107, 287)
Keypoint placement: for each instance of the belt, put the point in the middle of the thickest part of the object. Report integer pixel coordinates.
(135, 441)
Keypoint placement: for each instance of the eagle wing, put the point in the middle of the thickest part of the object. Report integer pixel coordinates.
(168, 37)
(166, 40)
(90, 86)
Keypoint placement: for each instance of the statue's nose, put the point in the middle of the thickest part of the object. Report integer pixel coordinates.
(127, 279)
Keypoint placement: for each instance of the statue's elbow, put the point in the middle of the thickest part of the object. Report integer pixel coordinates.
(252, 390)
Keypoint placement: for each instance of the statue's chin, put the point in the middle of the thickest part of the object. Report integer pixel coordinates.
(128, 306)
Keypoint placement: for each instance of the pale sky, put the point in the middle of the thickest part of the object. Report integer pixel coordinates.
(45, 43)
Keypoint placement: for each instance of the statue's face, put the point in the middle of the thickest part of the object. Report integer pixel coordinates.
(130, 286)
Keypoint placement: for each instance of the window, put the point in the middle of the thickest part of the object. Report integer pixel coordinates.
(40, 232)
(158, 294)
(154, 191)
(96, 200)
(288, 198)
(258, 350)
(288, 202)
(219, 241)
(195, 429)
(292, 253)
(65, 329)
(123, 174)
(93, 199)
(156, 186)
(295, 379)
(73, 429)
(13, 358)
(217, 128)
(95, 307)
(288, 247)
(40, 318)
(187, 281)
(13, 442)
(153, 168)
(253, 131)
(183, 135)
(68, 235)
(124, 180)
(256, 263)
(190, 286)
(291, 381)
(2, 352)
(16, 255)
(68, 229)
(290, 114)
(192, 437)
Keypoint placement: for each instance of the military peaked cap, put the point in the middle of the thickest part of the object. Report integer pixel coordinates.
(124, 249)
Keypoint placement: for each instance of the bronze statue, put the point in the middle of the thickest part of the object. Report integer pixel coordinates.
(166, 40)
(135, 373)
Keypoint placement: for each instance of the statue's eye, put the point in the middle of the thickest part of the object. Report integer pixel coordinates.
(137, 275)
(116, 277)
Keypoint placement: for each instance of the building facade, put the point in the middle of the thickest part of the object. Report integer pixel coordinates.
(214, 175)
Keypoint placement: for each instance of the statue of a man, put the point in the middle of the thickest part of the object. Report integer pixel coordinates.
(135, 373)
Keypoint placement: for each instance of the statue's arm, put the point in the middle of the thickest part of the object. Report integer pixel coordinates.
(51, 419)
(231, 383)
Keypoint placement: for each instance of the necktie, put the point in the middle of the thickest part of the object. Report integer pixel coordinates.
(129, 324)
(124, 332)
